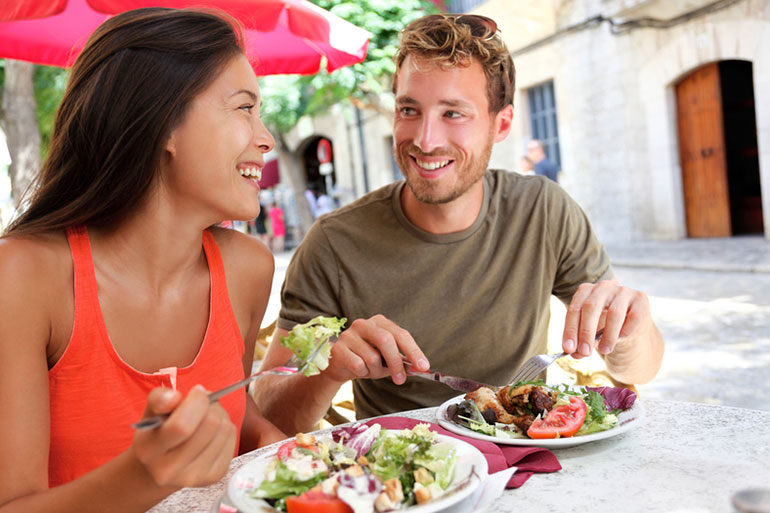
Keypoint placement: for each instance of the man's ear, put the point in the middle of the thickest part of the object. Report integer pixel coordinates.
(503, 123)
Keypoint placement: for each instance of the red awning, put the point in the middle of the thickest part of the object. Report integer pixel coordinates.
(270, 175)
(281, 36)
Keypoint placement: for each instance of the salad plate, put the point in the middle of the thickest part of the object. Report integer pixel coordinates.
(627, 420)
(471, 467)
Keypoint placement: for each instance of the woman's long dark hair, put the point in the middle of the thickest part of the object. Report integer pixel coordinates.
(130, 86)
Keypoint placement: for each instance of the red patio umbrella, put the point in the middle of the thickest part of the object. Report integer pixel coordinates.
(285, 36)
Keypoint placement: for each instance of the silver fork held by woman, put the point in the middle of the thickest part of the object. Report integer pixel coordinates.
(292, 366)
(157, 420)
(538, 363)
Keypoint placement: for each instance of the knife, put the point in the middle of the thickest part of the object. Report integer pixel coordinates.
(454, 382)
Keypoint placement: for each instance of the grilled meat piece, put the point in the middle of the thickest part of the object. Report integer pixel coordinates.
(541, 401)
(486, 399)
(526, 400)
(523, 422)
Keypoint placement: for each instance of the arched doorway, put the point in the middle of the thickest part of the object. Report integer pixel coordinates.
(318, 158)
(318, 161)
(718, 150)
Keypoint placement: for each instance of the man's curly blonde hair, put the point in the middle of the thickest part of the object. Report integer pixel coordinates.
(455, 40)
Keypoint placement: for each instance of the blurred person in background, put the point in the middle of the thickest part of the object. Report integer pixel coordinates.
(121, 308)
(542, 166)
(526, 167)
(311, 201)
(324, 203)
(277, 227)
(260, 225)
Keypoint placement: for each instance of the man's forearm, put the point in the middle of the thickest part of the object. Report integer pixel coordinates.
(295, 403)
(257, 431)
(637, 361)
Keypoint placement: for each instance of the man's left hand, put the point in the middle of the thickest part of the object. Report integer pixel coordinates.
(622, 313)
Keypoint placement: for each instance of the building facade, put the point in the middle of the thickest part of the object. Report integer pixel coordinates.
(662, 110)
(656, 111)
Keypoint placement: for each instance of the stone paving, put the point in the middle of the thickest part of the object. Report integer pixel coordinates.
(742, 253)
(711, 300)
(717, 331)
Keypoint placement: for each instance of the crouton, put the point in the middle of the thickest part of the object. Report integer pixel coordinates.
(394, 490)
(422, 476)
(304, 440)
(422, 495)
(355, 471)
(383, 503)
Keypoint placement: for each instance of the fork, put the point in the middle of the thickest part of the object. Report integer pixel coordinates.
(293, 365)
(530, 369)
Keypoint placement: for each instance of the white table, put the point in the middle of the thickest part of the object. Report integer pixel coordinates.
(685, 458)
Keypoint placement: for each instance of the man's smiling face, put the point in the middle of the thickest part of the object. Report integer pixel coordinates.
(443, 131)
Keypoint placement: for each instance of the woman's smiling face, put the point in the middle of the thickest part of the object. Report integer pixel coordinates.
(216, 154)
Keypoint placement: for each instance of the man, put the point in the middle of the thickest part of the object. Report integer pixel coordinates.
(457, 265)
(543, 166)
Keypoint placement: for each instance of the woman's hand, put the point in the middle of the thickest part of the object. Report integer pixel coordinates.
(193, 447)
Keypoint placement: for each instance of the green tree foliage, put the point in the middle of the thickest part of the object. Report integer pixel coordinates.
(287, 98)
(50, 83)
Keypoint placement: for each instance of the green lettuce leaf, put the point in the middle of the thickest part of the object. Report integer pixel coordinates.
(286, 483)
(441, 460)
(303, 339)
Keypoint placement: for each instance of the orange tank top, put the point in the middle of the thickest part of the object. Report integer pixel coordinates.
(95, 396)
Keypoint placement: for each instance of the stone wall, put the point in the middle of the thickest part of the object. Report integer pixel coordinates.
(617, 112)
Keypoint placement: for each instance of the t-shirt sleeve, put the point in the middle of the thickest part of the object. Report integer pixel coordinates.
(580, 257)
(310, 286)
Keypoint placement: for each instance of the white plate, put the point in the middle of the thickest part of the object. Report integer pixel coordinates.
(627, 421)
(470, 459)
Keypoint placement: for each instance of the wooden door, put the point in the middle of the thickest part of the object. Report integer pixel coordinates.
(702, 153)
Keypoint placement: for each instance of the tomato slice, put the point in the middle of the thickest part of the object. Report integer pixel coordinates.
(285, 450)
(561, 422)
(315, 501)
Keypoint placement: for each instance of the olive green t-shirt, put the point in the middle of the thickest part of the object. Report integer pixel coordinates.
(477, 301)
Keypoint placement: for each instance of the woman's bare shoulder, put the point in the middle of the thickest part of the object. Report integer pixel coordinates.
(34, 258)
(38, 270)
(243, 253)
(35, 267)
(249, 268)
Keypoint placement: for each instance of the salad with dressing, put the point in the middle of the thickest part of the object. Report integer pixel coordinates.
(360, 469)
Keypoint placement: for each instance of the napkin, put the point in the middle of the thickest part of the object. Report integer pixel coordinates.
(527, 460)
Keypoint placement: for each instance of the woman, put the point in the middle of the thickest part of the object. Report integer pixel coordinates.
(126, 301)
(278, 227)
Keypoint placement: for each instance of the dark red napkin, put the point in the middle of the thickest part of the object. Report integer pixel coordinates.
(528, 460)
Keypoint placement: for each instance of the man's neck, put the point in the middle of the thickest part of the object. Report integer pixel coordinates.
(452, 217)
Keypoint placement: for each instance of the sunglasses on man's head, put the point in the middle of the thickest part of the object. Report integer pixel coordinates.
(481, 26)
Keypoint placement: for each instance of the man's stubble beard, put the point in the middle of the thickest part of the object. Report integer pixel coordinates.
(427, 192)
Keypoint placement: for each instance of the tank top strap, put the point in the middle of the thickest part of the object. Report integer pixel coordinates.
(221, 308)
(85, 288)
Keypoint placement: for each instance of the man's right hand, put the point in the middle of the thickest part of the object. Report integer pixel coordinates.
(370, 348)
(374, 348)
